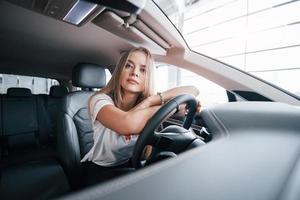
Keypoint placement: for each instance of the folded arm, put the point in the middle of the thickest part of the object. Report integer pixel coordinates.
(133, 121)
(125, 123)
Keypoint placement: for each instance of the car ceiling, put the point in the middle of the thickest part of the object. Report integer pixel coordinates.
(36, 44)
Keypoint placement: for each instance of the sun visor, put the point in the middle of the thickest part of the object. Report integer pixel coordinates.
(131, 29)
(151, 34)
(115, 24)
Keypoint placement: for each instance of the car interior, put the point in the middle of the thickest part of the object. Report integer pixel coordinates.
(247, 148)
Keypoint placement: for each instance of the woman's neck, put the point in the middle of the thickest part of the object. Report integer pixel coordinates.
(129, 100)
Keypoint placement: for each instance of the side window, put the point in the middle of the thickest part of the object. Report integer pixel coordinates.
(167, 76)
(108, 75)
(37, 85)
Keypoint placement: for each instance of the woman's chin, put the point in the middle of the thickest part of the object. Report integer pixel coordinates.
(131, 89)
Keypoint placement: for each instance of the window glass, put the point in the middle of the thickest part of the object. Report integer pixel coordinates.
(108, 75)
(259, 37)
(37, 85)
(167, 76)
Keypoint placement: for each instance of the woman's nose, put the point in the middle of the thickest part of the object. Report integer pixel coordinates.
(134, 72)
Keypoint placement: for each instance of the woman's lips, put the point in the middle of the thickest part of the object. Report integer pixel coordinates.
(133, 81)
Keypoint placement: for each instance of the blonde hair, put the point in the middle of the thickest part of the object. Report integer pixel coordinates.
(113, 87)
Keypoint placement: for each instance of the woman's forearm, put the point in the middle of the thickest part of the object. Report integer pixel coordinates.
(171, 93)
(140, 118)
(125, 123)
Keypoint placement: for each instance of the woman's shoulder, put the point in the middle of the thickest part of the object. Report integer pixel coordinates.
(101, 96)
(98, 100)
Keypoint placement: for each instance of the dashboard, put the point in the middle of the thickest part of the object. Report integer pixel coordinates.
(254, 154)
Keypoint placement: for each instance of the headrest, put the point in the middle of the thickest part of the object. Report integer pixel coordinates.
(18, 92)
(87, 75)
(58, 91)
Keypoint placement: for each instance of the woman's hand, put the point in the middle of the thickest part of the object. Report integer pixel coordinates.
(183, 110)
(198, 109)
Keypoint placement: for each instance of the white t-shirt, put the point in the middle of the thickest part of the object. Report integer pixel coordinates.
(110, 148)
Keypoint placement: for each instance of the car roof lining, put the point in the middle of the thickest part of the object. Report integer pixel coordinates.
(51, 47)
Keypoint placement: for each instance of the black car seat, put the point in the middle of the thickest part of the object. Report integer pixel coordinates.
(28, 170)
(53, 105)
(75, 132)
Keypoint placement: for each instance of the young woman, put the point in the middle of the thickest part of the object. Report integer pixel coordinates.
(120, 110)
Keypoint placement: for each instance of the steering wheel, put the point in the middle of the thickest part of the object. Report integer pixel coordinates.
(148, 136)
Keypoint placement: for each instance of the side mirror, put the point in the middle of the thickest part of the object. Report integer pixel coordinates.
(130, 6)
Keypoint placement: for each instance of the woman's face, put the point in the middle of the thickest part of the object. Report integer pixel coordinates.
(134, 73)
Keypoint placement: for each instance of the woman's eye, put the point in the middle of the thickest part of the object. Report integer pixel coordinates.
(143, 70)
(128, 65)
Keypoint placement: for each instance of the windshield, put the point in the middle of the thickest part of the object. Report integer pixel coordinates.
(259, 37)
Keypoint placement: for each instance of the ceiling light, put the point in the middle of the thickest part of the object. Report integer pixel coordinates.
(79, 12)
